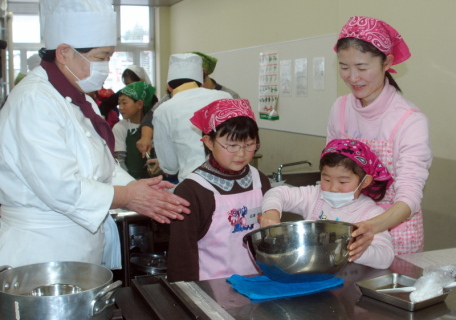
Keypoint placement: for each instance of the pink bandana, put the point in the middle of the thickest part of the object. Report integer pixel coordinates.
(380, 34)
(363, 156)
(209, 117)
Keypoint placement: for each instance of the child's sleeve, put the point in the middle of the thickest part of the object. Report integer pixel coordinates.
(120, 135)
(183, 258)
(299, 200)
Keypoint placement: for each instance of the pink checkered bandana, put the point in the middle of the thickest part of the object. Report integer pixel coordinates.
(209, 117)
(364, 157)
(380, 34)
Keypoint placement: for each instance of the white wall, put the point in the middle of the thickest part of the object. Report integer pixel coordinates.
(428, 79)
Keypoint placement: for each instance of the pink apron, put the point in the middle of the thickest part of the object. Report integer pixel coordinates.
(221, 251)
(408, 236)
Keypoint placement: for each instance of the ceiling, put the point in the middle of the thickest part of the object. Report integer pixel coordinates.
(152, 3)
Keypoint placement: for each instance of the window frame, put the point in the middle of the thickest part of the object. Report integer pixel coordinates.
(134, 48)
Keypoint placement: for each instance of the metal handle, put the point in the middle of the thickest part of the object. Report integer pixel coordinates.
(278, 176)
(104, 298)
(4, 268)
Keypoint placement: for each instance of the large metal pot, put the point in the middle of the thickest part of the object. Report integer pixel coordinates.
(57, 291)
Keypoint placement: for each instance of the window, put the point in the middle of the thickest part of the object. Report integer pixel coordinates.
(118, 63)
(26, 29)
(135, 45)
(134, 24)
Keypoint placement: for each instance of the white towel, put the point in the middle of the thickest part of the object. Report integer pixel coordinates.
(112, 258)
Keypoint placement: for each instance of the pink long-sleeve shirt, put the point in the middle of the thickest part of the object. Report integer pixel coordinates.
(304, 200)
(412, 155)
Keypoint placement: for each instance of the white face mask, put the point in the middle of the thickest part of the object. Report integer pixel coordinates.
(340, 199)
(99, 71)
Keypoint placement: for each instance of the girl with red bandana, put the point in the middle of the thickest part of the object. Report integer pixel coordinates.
(352, 181)
(225, 193)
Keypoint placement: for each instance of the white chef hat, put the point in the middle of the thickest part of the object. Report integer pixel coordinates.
(140, 72)
(78, 23)
(185, 66)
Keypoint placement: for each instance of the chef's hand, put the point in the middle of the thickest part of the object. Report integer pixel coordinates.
(269, 218)
(144, 145)
(363, 236)
(149, 197)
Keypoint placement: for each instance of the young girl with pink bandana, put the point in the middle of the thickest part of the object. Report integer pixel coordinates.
(377, 114)
(225, 193)
(352, 180)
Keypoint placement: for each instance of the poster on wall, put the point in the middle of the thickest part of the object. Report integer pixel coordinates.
(301, 77)
(268, 91)
(285, 78)
(319, 73)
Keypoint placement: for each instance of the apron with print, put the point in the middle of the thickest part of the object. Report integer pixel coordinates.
(408, 236)
(134, 161)
(221, 251)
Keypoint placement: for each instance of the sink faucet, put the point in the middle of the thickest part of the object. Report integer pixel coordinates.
(278, 176)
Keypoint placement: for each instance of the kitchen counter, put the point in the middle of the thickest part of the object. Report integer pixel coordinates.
(344, 303)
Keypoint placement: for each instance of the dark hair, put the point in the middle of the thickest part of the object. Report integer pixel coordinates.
(364, 47)
(120, 94)
(375, 190)
(237, 129)
(49, 55)
(152, 103)
(178, 82)
(130, 74)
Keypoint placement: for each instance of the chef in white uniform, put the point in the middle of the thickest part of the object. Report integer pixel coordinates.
(58, 178)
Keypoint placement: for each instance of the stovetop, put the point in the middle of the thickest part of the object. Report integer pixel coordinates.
(153, 297)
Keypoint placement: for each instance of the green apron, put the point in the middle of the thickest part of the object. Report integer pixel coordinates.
(135, 162)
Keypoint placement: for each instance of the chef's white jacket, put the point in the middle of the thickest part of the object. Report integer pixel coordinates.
(177, 141)
(56, 178)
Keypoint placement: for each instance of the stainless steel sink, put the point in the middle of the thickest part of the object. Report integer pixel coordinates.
(297, 180)
(300, 179)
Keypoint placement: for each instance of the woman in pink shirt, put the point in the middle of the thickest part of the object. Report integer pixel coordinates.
(352, 180)
(377, 114)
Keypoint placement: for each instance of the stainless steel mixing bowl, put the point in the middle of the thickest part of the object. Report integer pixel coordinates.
(301, 251)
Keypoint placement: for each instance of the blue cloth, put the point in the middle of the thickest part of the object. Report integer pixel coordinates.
(275, 273)
(261, 287)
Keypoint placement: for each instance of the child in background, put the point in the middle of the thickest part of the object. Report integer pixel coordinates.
(134, 101)
(225, 193)
(101, 95)
(352, 180)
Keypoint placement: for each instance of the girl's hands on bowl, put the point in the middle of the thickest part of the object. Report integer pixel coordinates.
(269, 218)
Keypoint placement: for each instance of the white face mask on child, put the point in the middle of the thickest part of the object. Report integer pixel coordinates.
(340, 199)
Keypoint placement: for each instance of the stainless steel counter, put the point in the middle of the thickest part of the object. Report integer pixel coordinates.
(343, 303)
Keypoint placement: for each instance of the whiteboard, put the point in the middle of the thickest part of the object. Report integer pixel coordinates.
(239, 71)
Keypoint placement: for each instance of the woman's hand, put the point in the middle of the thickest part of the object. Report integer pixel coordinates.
(363, 236)
(149, 197)
(269, 218)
